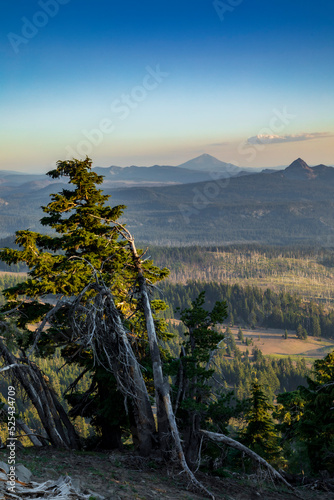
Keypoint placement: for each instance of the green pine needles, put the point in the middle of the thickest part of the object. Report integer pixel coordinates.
(85, 242)
(260, 434)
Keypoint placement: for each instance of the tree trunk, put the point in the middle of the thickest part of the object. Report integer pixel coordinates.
(192, 436)
(192, 440)
(71, 432)
(109, 340)
(142, 409)
(162, 394)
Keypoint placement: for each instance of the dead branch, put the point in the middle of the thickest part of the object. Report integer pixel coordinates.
(221, 438)
(75, 382)
(45, 320)
(9, 367)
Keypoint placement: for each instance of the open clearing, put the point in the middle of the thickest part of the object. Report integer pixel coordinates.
(272, 342)
(13, 273)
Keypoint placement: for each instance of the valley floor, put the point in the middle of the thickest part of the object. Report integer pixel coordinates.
(271, 342)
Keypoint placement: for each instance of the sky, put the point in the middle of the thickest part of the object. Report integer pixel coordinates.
(250, 82)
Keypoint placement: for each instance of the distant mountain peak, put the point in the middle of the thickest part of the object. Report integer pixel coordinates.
(206, 156)
(299, 163)
(206, 162)
(299, 169)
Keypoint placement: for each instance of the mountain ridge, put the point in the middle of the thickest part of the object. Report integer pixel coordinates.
(300, 170)
(202, 168)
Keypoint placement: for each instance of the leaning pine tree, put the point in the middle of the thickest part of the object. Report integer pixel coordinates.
(84, 253)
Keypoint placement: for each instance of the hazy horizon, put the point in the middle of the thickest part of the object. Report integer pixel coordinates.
(41, 171)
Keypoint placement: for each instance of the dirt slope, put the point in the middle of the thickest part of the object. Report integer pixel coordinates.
(127, 476)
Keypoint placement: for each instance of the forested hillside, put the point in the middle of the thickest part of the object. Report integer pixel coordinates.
(305, 271)
(9, 279)
(253, 306)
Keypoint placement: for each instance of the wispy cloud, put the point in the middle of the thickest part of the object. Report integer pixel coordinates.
(277, 139)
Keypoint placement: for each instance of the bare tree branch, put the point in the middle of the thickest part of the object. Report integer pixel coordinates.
(221, 438)
(9, 367)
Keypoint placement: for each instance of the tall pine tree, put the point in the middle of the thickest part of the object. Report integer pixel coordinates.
(84, 244)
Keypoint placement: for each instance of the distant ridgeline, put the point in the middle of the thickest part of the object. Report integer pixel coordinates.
(295, 205)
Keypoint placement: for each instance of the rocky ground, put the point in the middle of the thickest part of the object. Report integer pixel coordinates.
(127, 476)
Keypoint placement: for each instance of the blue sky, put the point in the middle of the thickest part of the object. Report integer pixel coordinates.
(248, 81)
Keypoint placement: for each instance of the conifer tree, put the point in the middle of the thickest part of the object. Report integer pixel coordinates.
(260, 434)
(306, 419)
(301, 332)
(193, 371)
(316, 425)
(316, 329)
(84, 243)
